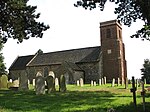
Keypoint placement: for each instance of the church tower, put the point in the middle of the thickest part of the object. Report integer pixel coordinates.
(113, 51)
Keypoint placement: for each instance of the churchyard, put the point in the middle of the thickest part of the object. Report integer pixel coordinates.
(75, 98)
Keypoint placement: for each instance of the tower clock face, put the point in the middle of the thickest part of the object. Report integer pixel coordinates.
(109, 51)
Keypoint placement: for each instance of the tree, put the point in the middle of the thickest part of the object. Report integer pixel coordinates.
(2, 65)
(127, 11)
(146, 70)
(19, 21)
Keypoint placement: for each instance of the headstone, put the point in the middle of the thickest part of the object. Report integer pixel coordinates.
(28, 81)
(133, 90)
(33, 82)
(3, 81)
(104, 80)
(91, 82)
(10, 80)
(94, 83)
(38, 74)
(118, 82)
(50, 84)
(100, 82)
(16, 83)
(40, 85)
(56, 82)
(81, 82)
(78, 83)
(23, 82)
(62, 84)
(113, 82)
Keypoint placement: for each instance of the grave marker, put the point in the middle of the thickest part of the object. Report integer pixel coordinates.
(100, 82)
(133, 90)
(62, 84)
(91, 82)
(3, 81)
(105, 80)
(50, 81)
(78, 83)
(81, 82)
(113, 82)
(23, 82)
(39, 85)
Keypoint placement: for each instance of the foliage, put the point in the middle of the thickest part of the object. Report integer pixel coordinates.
(19, 21)
(2, 65)
(146, 70)
(75, 99)
(128, 11)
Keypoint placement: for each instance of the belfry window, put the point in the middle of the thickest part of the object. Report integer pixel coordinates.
(108, 33)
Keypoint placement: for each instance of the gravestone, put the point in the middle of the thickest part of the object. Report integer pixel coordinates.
(118, 82)
(28, 81)
(39, 85)
(78, 83)
(38, 74)
(105, 80)
(50, 81)
(33, 82)
(91, 82)
(113, 82)
(3, 81)
(100, 82)
(81, 82)
(10, 80)
(16, 83)
(94, 83)
(62, 84)
(23, 82)
(56, 82)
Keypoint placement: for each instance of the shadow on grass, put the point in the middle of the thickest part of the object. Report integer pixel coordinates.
(70, 101)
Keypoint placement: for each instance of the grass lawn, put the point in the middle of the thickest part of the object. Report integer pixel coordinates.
(76, 99)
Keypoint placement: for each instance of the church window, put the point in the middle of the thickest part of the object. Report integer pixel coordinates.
(109, 51)
(108, 33)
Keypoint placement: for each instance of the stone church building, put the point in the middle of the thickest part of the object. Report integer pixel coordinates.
(90, 63)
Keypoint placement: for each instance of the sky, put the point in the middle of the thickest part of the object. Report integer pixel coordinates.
(72, 28)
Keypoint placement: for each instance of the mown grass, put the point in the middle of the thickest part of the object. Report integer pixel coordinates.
(76, 99)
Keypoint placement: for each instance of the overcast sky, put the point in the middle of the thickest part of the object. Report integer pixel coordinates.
(71, 28)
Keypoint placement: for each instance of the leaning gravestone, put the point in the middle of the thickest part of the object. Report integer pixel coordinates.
(3, 81)
(62, 84)
(39, 85)
(50, 81)
(23, 82)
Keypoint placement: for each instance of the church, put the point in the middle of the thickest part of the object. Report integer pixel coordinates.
(90, 63)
